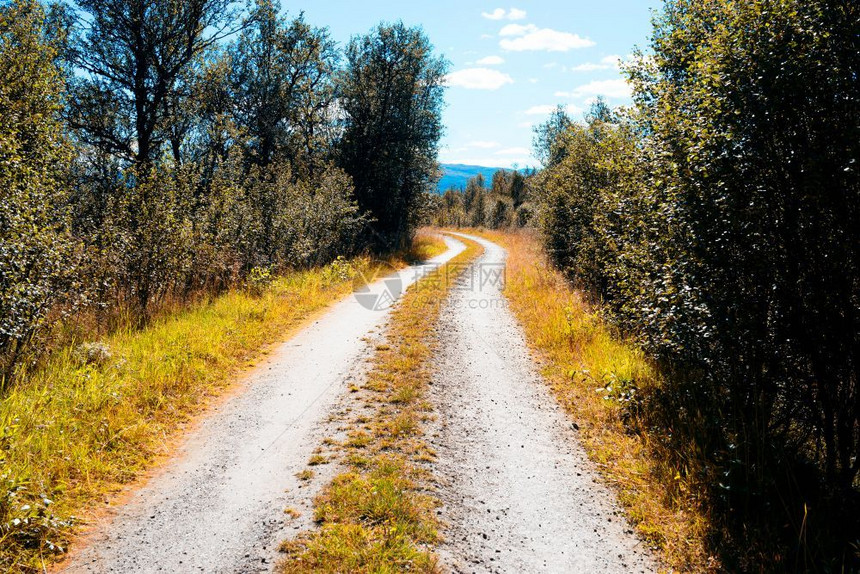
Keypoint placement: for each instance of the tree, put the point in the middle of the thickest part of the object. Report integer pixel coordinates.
(282, 81)
(518, 189)
(499, 215)
(38, 256)
(391, 98)
(132, 57)
(478, 180)
(501, 182)
(548, 145)
(758, 119)
(728, 242)
(573, 193)
(479, 209)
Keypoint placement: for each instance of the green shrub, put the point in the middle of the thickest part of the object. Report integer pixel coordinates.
(38, 255)
(719, 224)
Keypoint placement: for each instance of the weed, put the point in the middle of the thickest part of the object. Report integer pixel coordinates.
(305, 475)
(317, 459)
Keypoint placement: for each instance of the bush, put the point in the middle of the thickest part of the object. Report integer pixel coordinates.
(38, 255)
(720, 225)
(321, 220)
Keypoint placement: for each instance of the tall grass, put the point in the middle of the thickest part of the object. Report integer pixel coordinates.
(93, 416)
(596, 375)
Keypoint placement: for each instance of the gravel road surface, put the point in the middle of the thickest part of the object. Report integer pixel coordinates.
(519, 493)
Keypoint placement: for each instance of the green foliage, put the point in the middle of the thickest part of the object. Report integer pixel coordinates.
(166, 245)
(191, 147)
(391, 96)
(577, 195)
(135, 61)
(152, 235)
(548, 142)
(312, 222)
(38, 255)
(281, 78)
(719, 223)
(258, 280)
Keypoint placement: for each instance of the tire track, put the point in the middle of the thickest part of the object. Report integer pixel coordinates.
(519, 491)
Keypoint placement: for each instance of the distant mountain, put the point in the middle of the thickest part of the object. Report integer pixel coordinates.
(457, 175)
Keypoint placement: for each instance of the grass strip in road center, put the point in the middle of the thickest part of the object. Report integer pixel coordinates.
(378, 514)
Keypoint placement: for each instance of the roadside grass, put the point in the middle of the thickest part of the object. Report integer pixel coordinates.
(595, 375)
(427, 245)
(93, 417)
(378, 514)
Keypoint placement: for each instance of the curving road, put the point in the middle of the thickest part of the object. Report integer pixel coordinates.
(517, 489)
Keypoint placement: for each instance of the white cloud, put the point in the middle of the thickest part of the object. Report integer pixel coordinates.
(517, 29)
(518, 38)
(479, 79)
(588, 67)
(483, 144)
(616, 89)
(501, 14)
(533, 80)
(607, 63)
(540, 110)
(491, 61)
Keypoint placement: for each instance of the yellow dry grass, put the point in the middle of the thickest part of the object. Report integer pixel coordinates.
(427, 244)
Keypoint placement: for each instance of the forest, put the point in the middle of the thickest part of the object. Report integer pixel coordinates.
(155, 152)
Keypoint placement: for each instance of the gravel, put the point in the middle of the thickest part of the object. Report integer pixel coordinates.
(518, 490)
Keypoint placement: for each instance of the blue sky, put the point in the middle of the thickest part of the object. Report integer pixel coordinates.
(510, 63)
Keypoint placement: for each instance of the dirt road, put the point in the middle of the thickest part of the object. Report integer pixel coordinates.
(219, 506)
(519, 493)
